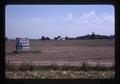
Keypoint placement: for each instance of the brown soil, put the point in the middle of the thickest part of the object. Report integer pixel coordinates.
(64, 52)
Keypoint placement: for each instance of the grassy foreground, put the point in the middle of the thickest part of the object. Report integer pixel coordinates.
(85, 71)
(60, 74)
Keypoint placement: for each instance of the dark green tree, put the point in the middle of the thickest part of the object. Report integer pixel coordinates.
(66, 38)
(92, 35)
(42, 38)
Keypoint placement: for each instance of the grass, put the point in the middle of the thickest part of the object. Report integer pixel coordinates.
(84, 49)
(30, 71)
(29, 67)
(58, 74)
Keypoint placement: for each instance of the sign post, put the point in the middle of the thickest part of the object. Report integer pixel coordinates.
(22, 44)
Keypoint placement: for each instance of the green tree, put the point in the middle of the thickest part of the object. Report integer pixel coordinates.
(92, 35)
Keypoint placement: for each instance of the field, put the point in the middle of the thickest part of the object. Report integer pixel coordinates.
(64, 52)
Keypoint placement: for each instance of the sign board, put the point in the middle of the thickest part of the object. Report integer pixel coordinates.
(22, 44)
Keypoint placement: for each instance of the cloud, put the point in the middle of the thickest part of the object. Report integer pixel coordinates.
(108, 17)
(89, 17)
(93, 18)
(69, 17)
(36, 19)
(47, 19)
(91, 14)
(50, 19)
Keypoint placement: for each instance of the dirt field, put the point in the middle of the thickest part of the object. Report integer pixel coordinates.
(60, 52)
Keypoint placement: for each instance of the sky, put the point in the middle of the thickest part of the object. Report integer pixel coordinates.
(34, 21)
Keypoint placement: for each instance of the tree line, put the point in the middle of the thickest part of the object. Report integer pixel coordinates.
(88, 36)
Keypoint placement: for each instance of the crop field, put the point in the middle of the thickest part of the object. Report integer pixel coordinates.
(64, 52)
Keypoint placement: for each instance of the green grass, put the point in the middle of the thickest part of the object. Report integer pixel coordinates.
(60, 74)
(30, 67)
(30, 71)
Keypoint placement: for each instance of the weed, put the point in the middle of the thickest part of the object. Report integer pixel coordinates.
(30, 66)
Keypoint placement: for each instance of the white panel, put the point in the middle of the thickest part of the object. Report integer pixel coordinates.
(22, 44)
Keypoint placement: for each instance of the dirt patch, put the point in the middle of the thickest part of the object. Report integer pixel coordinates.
(70, 52)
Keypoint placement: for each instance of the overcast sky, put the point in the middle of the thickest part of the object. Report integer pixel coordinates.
(34, 21)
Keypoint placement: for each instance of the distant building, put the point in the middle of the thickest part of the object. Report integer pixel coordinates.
(62, 38)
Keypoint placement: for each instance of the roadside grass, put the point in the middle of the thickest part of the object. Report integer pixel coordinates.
(53, 71)
(31, 67)
(60, 74)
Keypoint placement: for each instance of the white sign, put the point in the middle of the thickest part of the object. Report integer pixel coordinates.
(22, 44)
